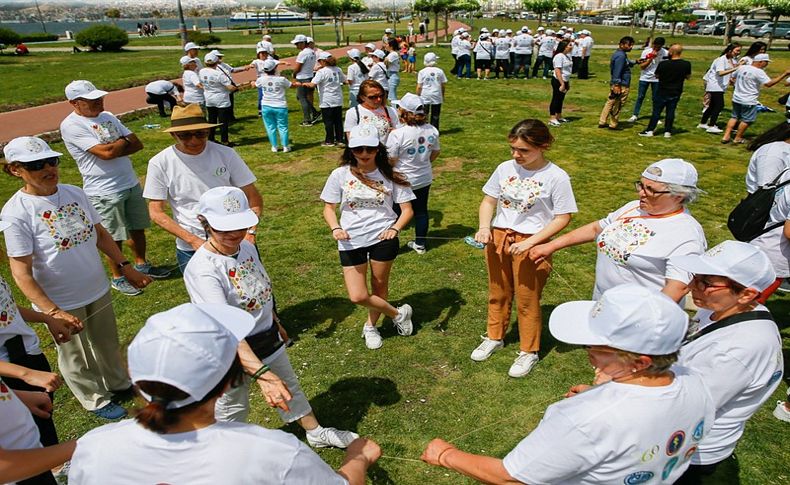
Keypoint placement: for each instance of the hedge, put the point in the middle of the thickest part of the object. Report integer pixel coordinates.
(102, 38)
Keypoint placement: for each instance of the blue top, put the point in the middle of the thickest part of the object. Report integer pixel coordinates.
(620, 68)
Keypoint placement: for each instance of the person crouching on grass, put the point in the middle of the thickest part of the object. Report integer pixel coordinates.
(533, 201)
(366, 187)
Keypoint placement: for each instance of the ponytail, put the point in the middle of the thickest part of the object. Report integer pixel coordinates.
(362, 67)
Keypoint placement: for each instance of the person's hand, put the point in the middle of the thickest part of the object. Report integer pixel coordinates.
(274, 390)
(136, 278)
(366, 448)
(563, 89)
(540, 252)
(388, 234)
(616, 89)
(38, 403)
(577, 389)
(521, 247)
(340, 235)
(49, 381)
(62, 325)
(483, 235)
(433, 452)
(601, 377)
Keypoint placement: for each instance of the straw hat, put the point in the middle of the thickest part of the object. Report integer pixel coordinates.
(189, 117)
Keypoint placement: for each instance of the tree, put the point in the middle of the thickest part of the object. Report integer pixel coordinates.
(564, 6)
(9, 37)
(658, 7)
(776, 9)
(346, 7)
(637, 8)
(113, 13)
(102, 38)
(539, 7)
(311, 7)
(675, 17)
(731, 8)
(436, 7)
(471, 7)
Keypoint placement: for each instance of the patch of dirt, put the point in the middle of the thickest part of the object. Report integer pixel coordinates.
(450, 165)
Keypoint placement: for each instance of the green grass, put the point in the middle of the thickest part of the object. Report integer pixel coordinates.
(424, 386)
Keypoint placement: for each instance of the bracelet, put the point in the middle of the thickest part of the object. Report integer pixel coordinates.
(393, 228)
(258, 373)
(251, 231)
(337, 229)
(123, 263)
(53, 311)
(439, 458)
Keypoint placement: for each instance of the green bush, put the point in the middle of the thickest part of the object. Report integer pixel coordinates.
(102, 38)
(39, 37)
(201, 39)
(9, 37)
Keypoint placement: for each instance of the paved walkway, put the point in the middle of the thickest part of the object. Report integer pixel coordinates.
(45, 119)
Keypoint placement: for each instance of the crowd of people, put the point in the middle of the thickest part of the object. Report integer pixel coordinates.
(671, 394)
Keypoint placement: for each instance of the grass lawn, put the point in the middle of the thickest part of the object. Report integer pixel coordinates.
(424, 386)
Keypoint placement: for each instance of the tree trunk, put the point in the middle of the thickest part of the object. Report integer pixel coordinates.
(727, 31)
(540, 18)
(342, 25)
(310, 20)
(773, 32)
(653, 27)
(436, 28)
(633, 20)
(446, 24)
(337, 32)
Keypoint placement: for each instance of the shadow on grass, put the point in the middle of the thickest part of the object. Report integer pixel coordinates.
(307, 314)
(443, 236)
(429, 308)
(547, 342)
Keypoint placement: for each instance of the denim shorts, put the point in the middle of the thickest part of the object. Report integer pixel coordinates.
(744, 112)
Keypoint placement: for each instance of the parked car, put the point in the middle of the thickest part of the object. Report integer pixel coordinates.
(744, 27)
(573, 20)
(782, 28)
(694, 27)
(716, 28)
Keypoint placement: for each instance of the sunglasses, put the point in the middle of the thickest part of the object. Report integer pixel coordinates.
(365, 149)
(201, 135)
(37, 165)
(375, 96)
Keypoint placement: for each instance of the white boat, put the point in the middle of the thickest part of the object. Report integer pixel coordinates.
(276, 14)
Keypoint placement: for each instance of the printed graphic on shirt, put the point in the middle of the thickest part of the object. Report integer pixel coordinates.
(7, 305)
(689, 453)
(253, 287)
(698, 430)
(381, 125)
(68, 225)
(106, 131)
(649, 454)
(675, 442)
(423, 145)
(638, 477)
(669, 467)
(519, 194)
(5, 393)
(622, 238)
(357, 195)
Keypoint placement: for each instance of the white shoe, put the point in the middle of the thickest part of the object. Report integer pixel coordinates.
(332, 438)
(667, 134)
(645, 133)
(274, 149)
(633, 119)
(286, 149)
(554, 123)
(372, 337)
(703, 126)
(485, 349)
(660, 122)
(714, 129)
(780, 412)
(416, 247)
(523, 364)
(403, 320)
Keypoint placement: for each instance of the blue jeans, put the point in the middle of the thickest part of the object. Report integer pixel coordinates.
(394, 82)
(183, 257)
(352, 97)
(659, 103)
(275, 120)
(640, 96)
(465, 65)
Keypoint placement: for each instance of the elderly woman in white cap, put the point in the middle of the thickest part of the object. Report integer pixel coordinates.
(274, 106)
(412, 149)
(636, 241)
(53, 244)
(640, 427)
(734, 345)
(191, 50)
(430, 87)
(329, 80)
(181, 362)
(372, 111)
(484, 53)
(366, 187)
(227, 269)
(190, 79)
(356, 74)
(217, 87)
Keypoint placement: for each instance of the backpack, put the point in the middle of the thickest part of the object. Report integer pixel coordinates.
(747, 220)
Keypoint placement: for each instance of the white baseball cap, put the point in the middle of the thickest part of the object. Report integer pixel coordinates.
(270, 63)
(82, 89)
(189, 46)
(370, 46)
(484, 36)
(299, 38)
(412, 103)
(28, 149)
(210, 58)
(324, 55)
(266, 37)
(353, 53)
(672, 171)
(741, 262)
(309, 39)
(379, 53)
(549, 32)
(627, 317)
(762, 57)
(387, 31)
(227, 209)
(484, 30)
(495, 31)
(187, 60)
(259, 49)
(525, 29)
(465, 35)
(190, 347)
(541, 28)
(363, 136)
(456, 31)
(561, 31)
(217, 53)
(430, 58)
(509, 31)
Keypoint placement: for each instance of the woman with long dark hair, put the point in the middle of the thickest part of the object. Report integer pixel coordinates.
(355, 76)
(560, 81)
(365, 186)
(771, 156)
(372, 110)
(716, 81)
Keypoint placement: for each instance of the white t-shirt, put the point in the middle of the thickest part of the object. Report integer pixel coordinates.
(364, 212)
(742, 366)
(766, 164)
(715, 83)
(99, 177)
(18, 431)
(378, 72)
(635, 248)
(547, 46)
(125, 453)
(307, 59)
(431, 79)
(239, 281)
(502, 48)
(181, 179)
(355, 76)
(192, 92)
(748, 82)
(616, 433)
(161, 87)
(649, 73)
(368, 61)
(413, 146)
(565, 64)
(454, 44)
(12, 324)
(524, 43)
(215, 87)
(383, 120)
(527, 200)
(265, 45)
(586, 44)
(58, 231)
(483, 50)
(258, 65)
(393, 63)
(577, 49)
(274, 88)
(464, 48)
(774, 243)
(330, 81)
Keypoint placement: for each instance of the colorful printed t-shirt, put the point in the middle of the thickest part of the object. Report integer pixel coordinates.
(413, 146)
(12, 324)
(383, 120)
(17, 429)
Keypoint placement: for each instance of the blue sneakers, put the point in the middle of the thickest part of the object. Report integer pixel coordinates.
(110, 411)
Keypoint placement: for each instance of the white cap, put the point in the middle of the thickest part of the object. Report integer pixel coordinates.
(456, 31)
(762, 57)
(628, 317)
(189, 46)
(484, 36)
(564, 28)
(484, 30)
(28, 149)
(309, 39)
(567, 36)
(387, 31)
(525, 28)
(561, 31)
(299, 38)
(190, 347)
(741, 262)
(211, 58)
(465, 34)
(430, 58)
(541, 28)
(585, 32)
(84, 90)
(217, 53)
(412, 103)
(353, 53)
(509, 31)
(370, 46)
(266, 37)
(270, 63)
(324, 55)
(363, 136)
(379, 53)
(187, 60)
(495, 31)
(672, 171)
(259, 49)
(549, 32)
(226, 209)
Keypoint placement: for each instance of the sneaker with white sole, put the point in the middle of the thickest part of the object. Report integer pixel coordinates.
(554, 123)
(780, 412)
(633, 119)
(372, 337)
(485, 349)
(286, 149)
(332, 438)
(646, 133)
(667, 134)
(274, 149)
(416, 247)
(714, 129)
(703, 126)
(155, 272)
(523, 364)
(122, 285)
(403, 320)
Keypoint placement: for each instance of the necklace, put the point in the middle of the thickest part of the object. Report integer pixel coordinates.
(220, 252)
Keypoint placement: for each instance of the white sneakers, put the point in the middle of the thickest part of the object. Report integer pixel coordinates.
(331, 437)
(714, 129)
(403, 320)
(633, 119)
(485, 349)
(372, 337)
(703, 126)
(523, 364)
(646, 133)
(554, 123)
(667, 134)
(416, 247)
(780, 412)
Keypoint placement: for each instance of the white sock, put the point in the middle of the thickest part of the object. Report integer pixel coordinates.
(315, 432)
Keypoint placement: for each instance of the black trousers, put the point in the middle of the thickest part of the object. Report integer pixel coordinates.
(435, 111)
(557, 97)
(159, 100)
(222, 116)
(544, 61)
(576, 63)
(711, 115)
(45, 478)
(333, 124)
(454, 70)
(522, 61)
(504, 66)
(584, 68)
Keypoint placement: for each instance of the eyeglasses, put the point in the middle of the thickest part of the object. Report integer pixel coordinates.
(201, 135)
(37, 165)
(650, 191)
(375, 96)
(601, 349)
(706, 285)
(358, 150)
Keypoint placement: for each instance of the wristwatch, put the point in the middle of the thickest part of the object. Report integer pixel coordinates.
(251, 231)
(123, 263)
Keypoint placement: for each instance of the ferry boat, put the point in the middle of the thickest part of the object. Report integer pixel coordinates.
(276, 14)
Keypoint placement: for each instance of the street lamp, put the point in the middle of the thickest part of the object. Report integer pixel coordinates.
(41, 17)
(182, 26)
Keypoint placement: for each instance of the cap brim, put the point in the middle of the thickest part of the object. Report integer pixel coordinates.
(232, 222)
(363, 141)
(196, 126)
(95, 94)
(238, 322)
(570, 323)
(37, 156)
(697, 264)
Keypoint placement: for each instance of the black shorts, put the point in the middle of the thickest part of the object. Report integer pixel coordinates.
(385, 250)
(482, 64)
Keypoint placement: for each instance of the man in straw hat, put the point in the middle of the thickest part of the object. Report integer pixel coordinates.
(180, 173)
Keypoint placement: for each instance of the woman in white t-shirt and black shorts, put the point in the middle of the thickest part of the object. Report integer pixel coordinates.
(527, 201)
(366, 187)
(560, 82)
